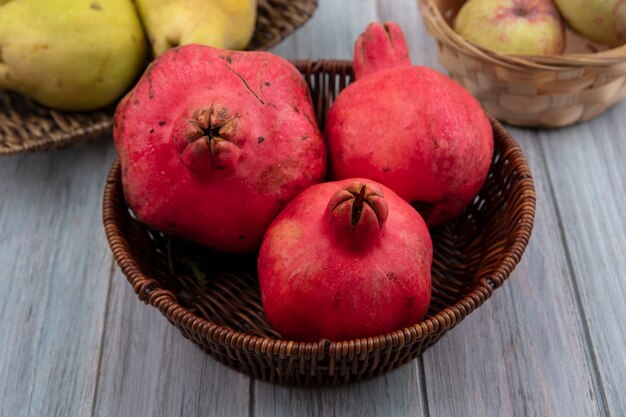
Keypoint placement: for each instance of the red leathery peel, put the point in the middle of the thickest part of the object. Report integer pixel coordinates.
(380, 47)
(434, 141)
(343, 260)
(189, 140)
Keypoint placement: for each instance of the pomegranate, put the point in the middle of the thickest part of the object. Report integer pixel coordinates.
(343, 260)
(214, 143)
(409, 127)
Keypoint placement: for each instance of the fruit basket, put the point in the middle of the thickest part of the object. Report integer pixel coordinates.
(545, 91)
(219, 308)
(26, 126)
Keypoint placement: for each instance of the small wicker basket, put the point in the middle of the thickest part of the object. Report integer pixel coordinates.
(26, 126)
(550, 91)
(473, 255)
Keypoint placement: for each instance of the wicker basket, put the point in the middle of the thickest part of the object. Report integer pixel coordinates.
(473, 255)
(26, 126)
(550, 91)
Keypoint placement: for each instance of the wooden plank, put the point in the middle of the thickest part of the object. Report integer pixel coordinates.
(149, 369)
(55, 276)
(549, 343)
(552, 360)
(331, 34)
(586, 167)
(523, 353)
(393, 394)
(332, 31)
(422, 48)
(456, 371)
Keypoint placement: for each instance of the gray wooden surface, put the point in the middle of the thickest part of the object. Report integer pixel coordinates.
(75, 341)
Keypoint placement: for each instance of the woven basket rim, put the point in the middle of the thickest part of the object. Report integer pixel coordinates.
(442, 31)
(78, 135)
(304, 9)
(146, 288)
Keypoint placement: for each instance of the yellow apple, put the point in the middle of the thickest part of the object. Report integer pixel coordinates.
(602, 21)
(517, 27)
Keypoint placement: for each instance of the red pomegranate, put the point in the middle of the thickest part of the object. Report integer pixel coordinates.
(409, 127)
(214, 143)
(343, 260)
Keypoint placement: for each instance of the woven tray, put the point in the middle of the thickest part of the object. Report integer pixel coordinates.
(472, 256)
(551, 91)
(26, 126)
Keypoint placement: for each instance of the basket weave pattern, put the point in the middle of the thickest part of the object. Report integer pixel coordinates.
(527, 90)
(28, 126)
(473, 255)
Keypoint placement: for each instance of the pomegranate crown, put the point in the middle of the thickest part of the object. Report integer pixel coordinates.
(380, 47)
(357, 213)
(203, 139)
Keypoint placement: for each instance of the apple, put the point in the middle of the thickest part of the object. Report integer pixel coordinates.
(518, 27)
(602, 21)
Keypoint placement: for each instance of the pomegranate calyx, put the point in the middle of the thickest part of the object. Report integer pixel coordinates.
(358, 211)
(203, 141)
